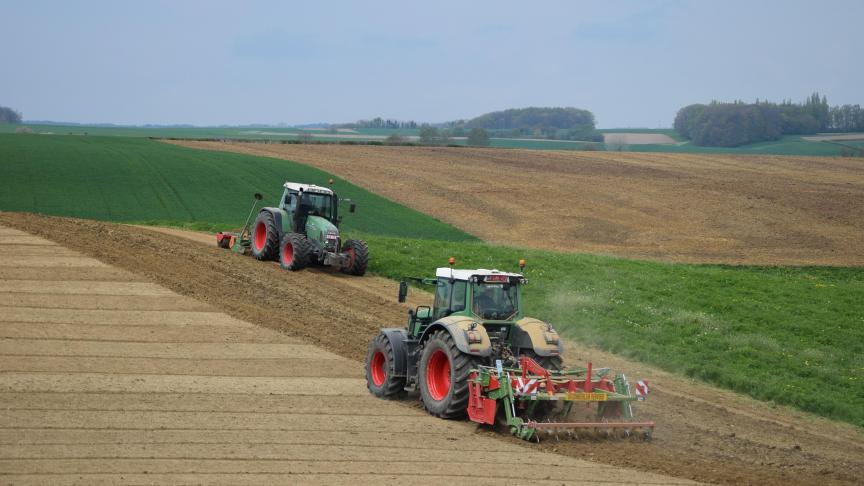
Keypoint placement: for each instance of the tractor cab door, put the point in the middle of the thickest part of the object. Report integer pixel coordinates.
(289, 204)
(449, 298)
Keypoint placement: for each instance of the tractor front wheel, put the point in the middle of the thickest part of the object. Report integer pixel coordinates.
(294, 252)
(357, 253)
(265, 237)
(381, 368)
(443, 376)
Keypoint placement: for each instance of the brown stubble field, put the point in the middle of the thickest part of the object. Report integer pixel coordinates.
(762, 210)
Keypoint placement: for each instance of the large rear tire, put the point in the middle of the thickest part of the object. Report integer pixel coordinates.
(294, 252)
(381, 368)
(358, 257)
(443, 376)
(265, 237)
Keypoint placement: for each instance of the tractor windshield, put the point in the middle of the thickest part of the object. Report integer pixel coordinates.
(497, 301)
(317, 205)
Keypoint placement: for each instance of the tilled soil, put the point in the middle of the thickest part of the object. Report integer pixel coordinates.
(764, 210)
(111, 379)
(702, 433)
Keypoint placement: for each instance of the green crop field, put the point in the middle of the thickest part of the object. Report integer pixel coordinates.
(794, 336)
(787, 145)
(136, 179)
(162, 132)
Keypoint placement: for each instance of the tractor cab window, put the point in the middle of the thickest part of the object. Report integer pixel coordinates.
(449, 298)
(497, 301)
(291, 202)
(317, 205)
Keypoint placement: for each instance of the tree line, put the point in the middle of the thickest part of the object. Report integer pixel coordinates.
(737, 123)
(538, 122)
(379, 122)
(8, 115)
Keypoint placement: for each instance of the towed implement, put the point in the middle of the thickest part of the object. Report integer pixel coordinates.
(525, 393)
(475, 353)
(303, 229)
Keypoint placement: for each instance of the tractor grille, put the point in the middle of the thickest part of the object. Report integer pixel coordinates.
(497, 332)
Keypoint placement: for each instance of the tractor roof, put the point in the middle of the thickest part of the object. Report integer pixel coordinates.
(467, 274)
(294, 186)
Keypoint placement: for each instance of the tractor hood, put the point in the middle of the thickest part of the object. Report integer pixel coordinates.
(321, 232)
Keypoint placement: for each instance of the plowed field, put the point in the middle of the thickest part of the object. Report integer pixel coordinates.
(680, 207)
(108, 378)
(93, 387)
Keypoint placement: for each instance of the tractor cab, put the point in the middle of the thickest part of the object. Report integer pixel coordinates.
(484, 296)
(304, 200)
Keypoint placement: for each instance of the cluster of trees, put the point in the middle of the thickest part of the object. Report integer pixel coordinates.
(379, 122)
(738, 123)
(846, 118)
(549, 123)
(8, 115)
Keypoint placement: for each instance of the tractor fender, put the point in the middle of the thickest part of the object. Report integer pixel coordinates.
(397, 338)
(530, 333)
(280, 217)
(458, 327)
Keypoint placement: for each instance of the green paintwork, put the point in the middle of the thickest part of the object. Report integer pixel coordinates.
(317, 229)
(452, 308)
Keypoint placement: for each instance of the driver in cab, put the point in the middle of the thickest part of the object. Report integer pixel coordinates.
(484, 301)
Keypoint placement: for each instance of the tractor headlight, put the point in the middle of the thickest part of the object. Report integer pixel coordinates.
(551, 337)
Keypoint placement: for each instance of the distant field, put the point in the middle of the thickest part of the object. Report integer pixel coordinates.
(135, 179)
(789, 145)
(632, 138)
(681, 207)
(835, 137)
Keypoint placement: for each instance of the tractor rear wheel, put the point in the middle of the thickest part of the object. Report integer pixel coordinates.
(381, 368)
(358, 257)
(265, 237)
(294, 251)
(443, 376)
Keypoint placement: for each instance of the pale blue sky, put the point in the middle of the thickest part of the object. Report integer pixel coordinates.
(231, 62)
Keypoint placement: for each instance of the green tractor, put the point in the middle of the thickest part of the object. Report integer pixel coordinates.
(474, 350)
(302, 230)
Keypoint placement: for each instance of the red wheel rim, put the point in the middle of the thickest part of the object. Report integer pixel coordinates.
(377, 368)
(438, 375)
(288, 253)
(260, 235)
(351, 257)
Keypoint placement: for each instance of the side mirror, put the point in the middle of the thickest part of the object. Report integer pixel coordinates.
(258, 196)
(403, 291)
(352, 208)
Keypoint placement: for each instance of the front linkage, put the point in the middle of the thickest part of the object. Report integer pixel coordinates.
(527, 390)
